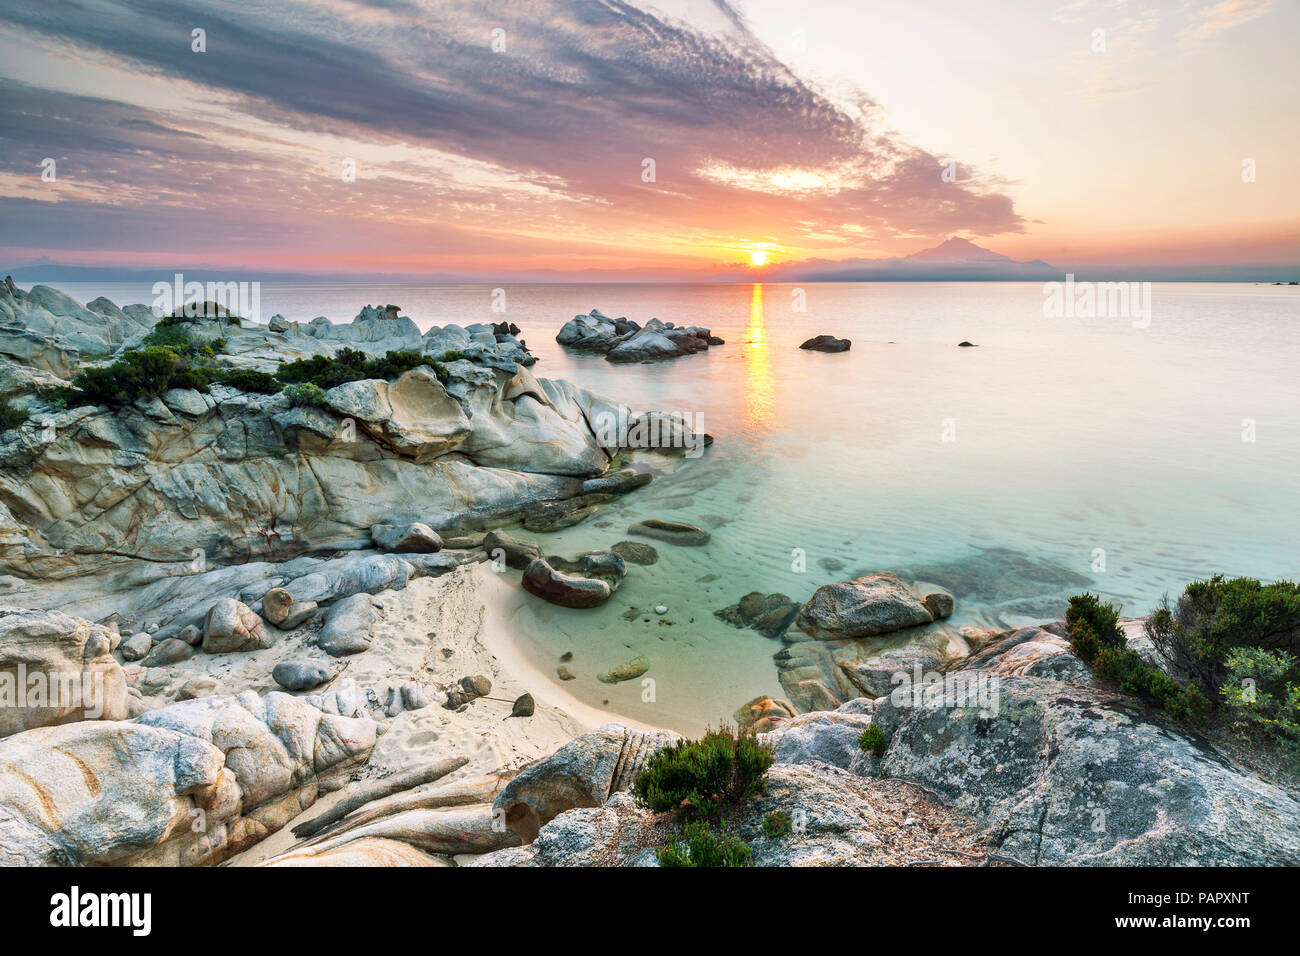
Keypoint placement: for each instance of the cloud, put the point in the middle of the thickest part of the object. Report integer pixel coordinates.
(543, 142)
(1224, 16)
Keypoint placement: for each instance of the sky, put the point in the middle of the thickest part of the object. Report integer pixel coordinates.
(676, 140)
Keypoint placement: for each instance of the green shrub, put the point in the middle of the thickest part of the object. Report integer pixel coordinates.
(1263, 689)
(1215, 617)
(1134, 676)
(57, 396)
(353, 365)
(136, 374)
(704, 778)
(247, 380)
(1092, 626)
(179, 339)
(306, 394)
(699, 846)
(10, 417)
(777, 824)
(873, 740)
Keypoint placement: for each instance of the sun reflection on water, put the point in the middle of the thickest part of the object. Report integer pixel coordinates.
(759, 393)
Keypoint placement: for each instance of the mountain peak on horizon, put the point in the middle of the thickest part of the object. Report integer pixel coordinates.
(957, 248)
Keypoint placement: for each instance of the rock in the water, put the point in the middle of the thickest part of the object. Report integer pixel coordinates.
(605, 565)
(347, 626)
(636, 552)
(410, 538)
(672, 532)
(300, 675)
(231, 625)
(554, 587)
(937, 600)
(628, 670)
(826, 343)
(871, 605)
(769, 614)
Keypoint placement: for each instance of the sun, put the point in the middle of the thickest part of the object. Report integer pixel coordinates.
(757, 257)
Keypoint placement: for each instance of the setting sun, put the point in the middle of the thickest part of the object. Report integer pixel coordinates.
(758, 257)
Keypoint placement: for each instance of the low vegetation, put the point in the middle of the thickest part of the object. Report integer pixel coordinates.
(10, 417)
(353, 365)
(1231, 649)
(872, 741)
(777, 824)
(704, 781)
(1097, 639)
(700, 846)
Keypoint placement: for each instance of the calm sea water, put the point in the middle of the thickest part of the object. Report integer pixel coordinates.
(1060, 453)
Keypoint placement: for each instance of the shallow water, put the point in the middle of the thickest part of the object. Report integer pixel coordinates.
(1061, 453)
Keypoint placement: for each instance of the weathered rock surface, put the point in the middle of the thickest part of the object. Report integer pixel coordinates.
(636, 552)
(410, 538)
(871, 605)
(583, 773)
(348, 626)
(115, 792)
(672, 532)
(623, 341)
(769, 614)
(231, 625)
(300, 675)
(628, 670)
(821, 675)
(1063, 773)
(55, 669)
(565, 590)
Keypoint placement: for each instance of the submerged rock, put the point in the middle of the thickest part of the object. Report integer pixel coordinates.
(769, 614)
(636, 552)
(628, 670)
(672, 532)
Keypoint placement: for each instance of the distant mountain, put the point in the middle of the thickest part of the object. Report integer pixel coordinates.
(957, 249)
(954, 259)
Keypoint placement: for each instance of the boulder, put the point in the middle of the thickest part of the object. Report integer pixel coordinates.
(188, 784)
(300, 675)
(1066, 774)
(769, 614)
(515, 553)
(231, 625)
(412, 538)
(865, 607)
(168, 652)
(284, 612)
(347, 626)
(554, 587)
(636, 552)
(56, 669)
(583, 773)
(136, 646)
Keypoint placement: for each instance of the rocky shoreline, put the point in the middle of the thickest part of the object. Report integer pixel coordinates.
(239, 628)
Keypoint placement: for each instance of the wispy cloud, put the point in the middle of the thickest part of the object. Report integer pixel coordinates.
(539, 144)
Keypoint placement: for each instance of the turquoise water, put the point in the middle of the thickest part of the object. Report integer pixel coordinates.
(1061, 453)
